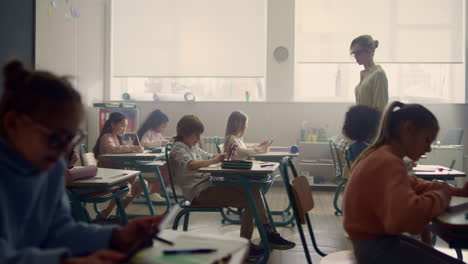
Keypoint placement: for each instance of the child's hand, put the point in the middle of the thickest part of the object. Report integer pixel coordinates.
(446, 190)
(265, 148)
(464, 190)
(124, 237)
(220, 157)
(99, 257)
(264, 142)
(138, 149)
(73, 160)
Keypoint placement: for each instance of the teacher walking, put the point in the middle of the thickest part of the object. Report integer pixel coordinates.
(372, 89)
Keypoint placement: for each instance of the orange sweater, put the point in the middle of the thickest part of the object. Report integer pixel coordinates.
(382, 199)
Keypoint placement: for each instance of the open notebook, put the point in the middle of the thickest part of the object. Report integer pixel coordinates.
(224, 245)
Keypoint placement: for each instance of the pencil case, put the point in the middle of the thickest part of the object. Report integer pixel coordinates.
(236, 164)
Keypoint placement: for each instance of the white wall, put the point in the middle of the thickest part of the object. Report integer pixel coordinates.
(73, 46)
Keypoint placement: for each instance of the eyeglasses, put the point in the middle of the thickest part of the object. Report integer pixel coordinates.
(357, 52)
(59, 138)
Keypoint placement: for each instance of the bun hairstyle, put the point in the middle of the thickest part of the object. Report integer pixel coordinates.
(396, 114)
(366, 41)
(35, 93)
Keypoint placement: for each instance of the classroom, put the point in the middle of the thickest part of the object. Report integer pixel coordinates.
(222, 131)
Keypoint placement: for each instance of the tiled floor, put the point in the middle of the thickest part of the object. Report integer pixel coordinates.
(327, 227)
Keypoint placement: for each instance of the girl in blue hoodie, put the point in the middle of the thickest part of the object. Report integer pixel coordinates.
(40, 115)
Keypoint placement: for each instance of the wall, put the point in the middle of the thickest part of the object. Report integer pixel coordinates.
(73, 46)
(17, 27)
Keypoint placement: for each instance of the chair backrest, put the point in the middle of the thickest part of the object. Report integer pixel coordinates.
(219, 145)
(86, 158)
(298, 192)
(336, 157)
(169, 169)
(453, 136)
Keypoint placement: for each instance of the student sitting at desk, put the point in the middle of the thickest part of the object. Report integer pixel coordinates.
(110, 142)
(197, 187)
(235, 130)
(40, 115)
(360, 126)
(382, 201)
(151, 137)
(151, 130)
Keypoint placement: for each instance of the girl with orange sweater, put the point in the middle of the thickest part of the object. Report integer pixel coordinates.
(376, 217)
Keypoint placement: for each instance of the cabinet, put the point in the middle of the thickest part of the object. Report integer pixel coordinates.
(315, 163)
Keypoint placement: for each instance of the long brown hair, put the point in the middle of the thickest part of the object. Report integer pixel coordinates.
(114, 118)
(236, 123)
(395, 115)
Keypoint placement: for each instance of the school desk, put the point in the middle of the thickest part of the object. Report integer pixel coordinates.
(232, 250)
(452, 226)
(435, 172)
(247, 179)
(104, 179)
(144, 162)
(277, 156)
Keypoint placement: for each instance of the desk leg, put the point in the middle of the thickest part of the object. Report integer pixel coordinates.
(146, 192)
(459, 254)
(164, 190)
(121, 210)
(258, 222)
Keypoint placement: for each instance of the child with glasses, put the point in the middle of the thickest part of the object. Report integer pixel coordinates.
(110, 142)
(40, 114)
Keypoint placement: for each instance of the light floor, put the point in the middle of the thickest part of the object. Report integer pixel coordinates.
(327, 227)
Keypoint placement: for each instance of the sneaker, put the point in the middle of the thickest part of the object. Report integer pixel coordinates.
(256, 251)
(277, 242)
(155, 197)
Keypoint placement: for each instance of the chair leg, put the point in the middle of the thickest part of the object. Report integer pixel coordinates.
(121, 210)
(186, 221)
(459, 254)
(175, 224)
(338, 210)
(96, 209)
(304, 242)
(312, 236)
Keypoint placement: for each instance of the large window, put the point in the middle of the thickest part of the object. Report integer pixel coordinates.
(421, 48)
(212, 49)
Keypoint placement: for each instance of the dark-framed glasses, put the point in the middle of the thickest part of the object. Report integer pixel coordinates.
(59, 138)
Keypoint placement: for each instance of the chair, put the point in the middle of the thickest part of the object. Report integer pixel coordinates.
(219, 145)
(453, 136)
(186, 206)
(86, 158)
(302, 202)
(340, 171)
(79, 201)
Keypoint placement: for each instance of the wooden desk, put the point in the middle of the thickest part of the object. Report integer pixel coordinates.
(237, 247)
(431, 172)
(274, 154)
(452, 226)
(248, 179)
(255, 170)
(105, 177)
(139, 156)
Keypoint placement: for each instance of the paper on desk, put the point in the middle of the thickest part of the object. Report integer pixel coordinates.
(224, 247)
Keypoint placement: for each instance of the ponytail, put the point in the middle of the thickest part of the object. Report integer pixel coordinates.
(395, 115)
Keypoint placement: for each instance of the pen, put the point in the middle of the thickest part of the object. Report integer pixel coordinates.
(265, 165)
(189, 251)
(163, 240)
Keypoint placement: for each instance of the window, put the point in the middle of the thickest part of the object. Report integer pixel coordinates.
(213, 49)
(421, 48)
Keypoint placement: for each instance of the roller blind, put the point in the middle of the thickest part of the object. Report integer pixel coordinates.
(189, 38)
(414, 31)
